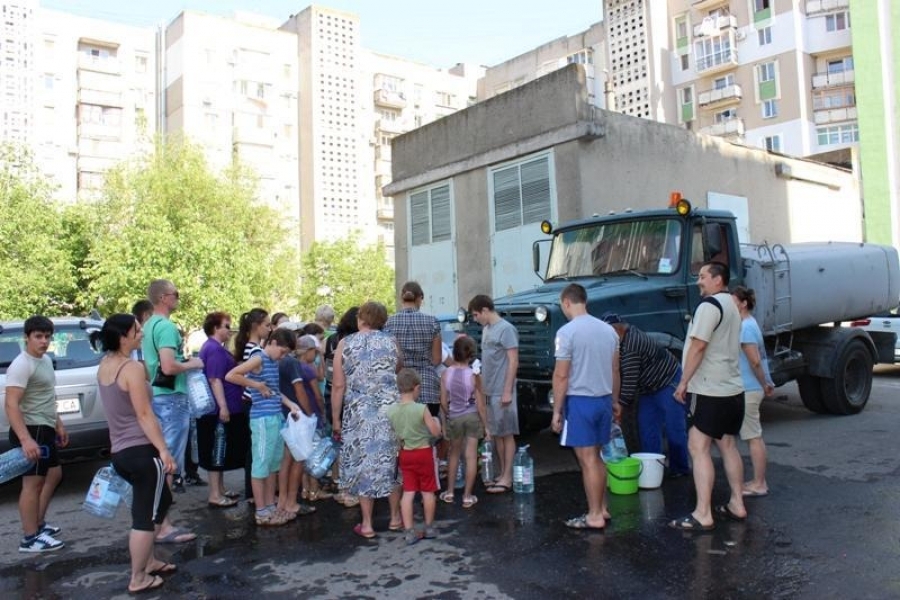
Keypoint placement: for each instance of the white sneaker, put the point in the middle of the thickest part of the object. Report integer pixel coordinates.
(42, 542)
(50, 529)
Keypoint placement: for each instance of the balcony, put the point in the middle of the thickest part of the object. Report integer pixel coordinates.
(87, 62)
(253, 135)
(390, 126)
(834, 115)
(716, 62)
(817, 7)
(99, 131)
(100, 98)
(826, 80)
(390, 98)
(707, 4)
(384, 212)
(714, 25)
(727, 128)
(730, 94)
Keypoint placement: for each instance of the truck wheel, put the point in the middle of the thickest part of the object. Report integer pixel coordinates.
(811, 393)
(848, 392)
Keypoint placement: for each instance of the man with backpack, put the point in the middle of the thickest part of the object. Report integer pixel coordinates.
(711, 374)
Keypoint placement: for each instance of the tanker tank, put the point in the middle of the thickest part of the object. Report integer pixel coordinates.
(808, 284)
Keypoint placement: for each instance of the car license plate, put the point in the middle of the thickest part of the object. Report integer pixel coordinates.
(65, 406)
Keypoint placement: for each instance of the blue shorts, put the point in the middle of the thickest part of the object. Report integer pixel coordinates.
(587, 421)
(267, 445)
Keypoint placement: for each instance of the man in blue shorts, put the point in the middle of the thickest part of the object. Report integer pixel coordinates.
(586, 397)
(711, 373)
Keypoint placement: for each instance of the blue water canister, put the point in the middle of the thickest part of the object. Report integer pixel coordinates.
(218, 457)
(523, 472)
(614, 450)
(200, 396)
(323, 456)
(13, 463)
(104, 494)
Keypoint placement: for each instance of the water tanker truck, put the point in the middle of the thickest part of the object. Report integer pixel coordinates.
(644, 266)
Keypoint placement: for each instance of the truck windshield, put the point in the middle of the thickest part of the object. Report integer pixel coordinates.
(646, 247)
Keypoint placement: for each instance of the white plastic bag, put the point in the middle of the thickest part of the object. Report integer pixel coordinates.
(299, 435)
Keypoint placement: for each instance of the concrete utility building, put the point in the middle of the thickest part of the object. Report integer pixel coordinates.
(471, 189)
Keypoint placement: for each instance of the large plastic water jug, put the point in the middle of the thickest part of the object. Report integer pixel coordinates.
(13, 463)
(323, 456)
(523, 472)
(200, 396)
(614, 450)
(105, 493)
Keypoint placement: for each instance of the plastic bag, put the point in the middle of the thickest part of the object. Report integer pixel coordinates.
(299, 434)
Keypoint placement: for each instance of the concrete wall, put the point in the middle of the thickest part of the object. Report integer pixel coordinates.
(605, 162)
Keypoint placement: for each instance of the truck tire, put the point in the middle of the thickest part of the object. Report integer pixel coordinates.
(810, 388)
(848, 392)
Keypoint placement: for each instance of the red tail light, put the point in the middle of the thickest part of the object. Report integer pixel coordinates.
(861, 323)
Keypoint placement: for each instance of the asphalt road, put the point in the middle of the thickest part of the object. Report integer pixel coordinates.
(828, 529)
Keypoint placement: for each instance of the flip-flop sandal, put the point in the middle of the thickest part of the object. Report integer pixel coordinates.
(172, 537)
(232, 494)
(358, 530)
(446, 497)
(167, 569)
(469, 501)
(395, 526)
(754, 494)
(723, 511)
(689, 523)
(581, 523)
(223, 503)
(499, 488)
(155, 583)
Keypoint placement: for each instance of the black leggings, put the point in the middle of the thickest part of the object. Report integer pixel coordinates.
(142, 468)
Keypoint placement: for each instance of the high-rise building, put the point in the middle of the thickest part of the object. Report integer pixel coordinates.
(17, 70)
(231, 86)
(95, 98)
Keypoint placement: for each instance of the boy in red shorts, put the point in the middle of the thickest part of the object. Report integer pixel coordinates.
(414, 427)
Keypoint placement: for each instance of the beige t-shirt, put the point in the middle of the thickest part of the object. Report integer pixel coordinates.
(719, 374)
(38, 380)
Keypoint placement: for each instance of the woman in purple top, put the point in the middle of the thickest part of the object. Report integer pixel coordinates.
(230, 411)
(139, 452)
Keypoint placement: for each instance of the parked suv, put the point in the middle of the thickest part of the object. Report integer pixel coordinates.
(75, 363)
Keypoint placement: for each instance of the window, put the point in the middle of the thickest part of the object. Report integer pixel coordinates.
(766, 76)
(721, 83)
(762, 11)
(584, 57)
(725, 115)
(686, 95)
(521, 193)
(684, 62)
(772, 143)
(769, 109)
(260, 90)
(829, 99)
(445, 99)
(838, 134)
(430, 216)
(840, 65)
(48, 81)
(766, 72)
(765, 36)
(837, 21)
(140, 64)
(713, 51)
(681, 29)
(759, 5)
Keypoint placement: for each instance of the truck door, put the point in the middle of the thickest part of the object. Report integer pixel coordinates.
(710, 240)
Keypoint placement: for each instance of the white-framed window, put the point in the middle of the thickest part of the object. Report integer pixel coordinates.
(686, 98)
(430, 217)
(725, 115)
(766, 72)
(764, 35)
(720, 83)
(769, 109)
(713, 51)
(772, 143)
(839, 98)
(845, 133)
(681, 28)
(759, 5)
(837, 21)
(582, 57)
(840, 65)
(140, 63)
(521, 193)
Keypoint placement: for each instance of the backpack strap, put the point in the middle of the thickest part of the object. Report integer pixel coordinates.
(715, 302)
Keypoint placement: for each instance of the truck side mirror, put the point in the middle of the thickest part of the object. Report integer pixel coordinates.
(536, 259)
(712, 240)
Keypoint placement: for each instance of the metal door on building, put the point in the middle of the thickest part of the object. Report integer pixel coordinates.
(432, 255)
(521, 194)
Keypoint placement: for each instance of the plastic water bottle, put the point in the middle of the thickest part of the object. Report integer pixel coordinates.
(461, 473)
(103, 497)
(323, 456)
(614, 450)
(218, 457)
(13, 463)
(126, 493)
(200, 396)
(523, 472)
(487, 462)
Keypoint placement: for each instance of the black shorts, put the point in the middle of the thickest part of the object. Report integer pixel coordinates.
(434, 409)
(44, 436)
(718, 415)
(142, 468)
(237, 441)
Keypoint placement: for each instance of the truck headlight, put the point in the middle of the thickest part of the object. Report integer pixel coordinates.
(540, 313)
(461, 315)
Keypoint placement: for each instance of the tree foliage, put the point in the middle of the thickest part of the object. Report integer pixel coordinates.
(345, 274)
(167, 216)
(36, 275)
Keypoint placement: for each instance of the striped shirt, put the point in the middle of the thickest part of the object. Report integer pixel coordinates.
(644, 366)
(262, 406)
(249, 349)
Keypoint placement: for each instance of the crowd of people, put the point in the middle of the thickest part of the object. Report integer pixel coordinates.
(396, 401)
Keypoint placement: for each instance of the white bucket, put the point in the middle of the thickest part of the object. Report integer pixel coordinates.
(654, 465)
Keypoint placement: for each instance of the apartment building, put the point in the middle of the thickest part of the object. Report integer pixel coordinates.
(95, 98)
(404, 95)
(231, 85)
(17, 70)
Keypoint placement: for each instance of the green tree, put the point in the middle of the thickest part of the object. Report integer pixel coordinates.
(36, 274)
(166, 215)
(343, 274)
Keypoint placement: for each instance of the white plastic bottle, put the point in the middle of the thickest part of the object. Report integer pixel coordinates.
(523, 472)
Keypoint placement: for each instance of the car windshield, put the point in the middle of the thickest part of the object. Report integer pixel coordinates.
(69, 349)
(645, 247)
